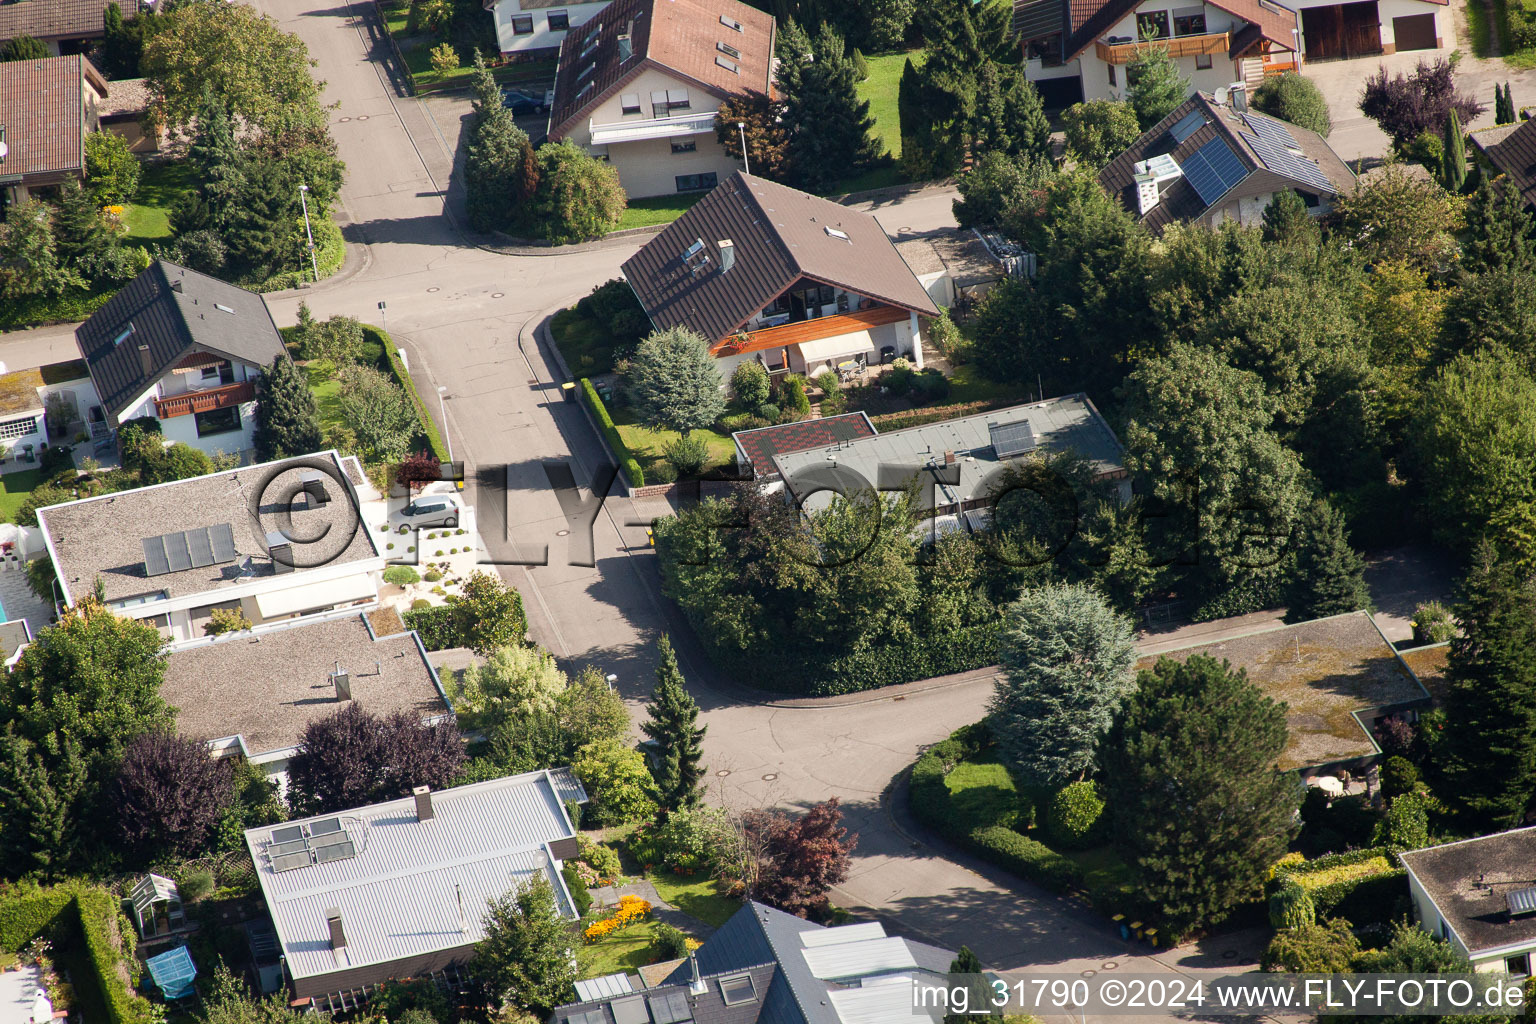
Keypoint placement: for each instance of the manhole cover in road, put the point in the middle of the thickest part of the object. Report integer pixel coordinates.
(362, 117)
(770, 776)
(498, 295)
(344, 120)
(1088, 974)
(723, 772)
(1109, 965)
(434, 288)
(562, 533)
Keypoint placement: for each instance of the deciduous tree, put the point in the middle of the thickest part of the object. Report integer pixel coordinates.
(767, 142)
(674, 730)
(1294, 98)
(674, 382)
(800, 859)
(1407, 106)
(169, 795)
(489, 615)
(1066, 658)
(1097, 131)
(525, 958)
(351, 758)
(618, 782)
(589, 711)
(111, 170)
(1199, 809)
(29, 259)
(379, 411)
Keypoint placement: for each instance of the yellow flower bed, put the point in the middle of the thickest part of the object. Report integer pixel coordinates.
(1311, 880)
(630, 909)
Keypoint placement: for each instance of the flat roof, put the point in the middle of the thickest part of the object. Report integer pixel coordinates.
(102, 537)
(958, 252)
(266, 685)
(18, 392)
(1470, 880)
(1070, 423)
(1428, 663)
(1326, 671)
(414, 887)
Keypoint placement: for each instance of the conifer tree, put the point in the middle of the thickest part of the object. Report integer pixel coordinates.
(977, 991)
(287, 421)
(826, 122)
(1499, 235)
(1328, 577)
(1490, 705)
(1286, 220)
(215, 155)
(675, 764)
(78, 230)
(1453, 159)
(1156, 87)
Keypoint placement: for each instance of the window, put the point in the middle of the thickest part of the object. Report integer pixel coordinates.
(729, 65)
(1519, 966)
(696, 182)
(522, 24)
(629, 103)
(10, 429)
(777, 306)
(122, 335)
(219, 421)
(559, 21)
(685, 146)
(1152, 25)
(729, 51)
(664, 101)
(1047, 51)
(730, 23)
(1112, 81)
(588, 43)
(1202, 61)
(211, 372)
(1189, 22)
(737, 990)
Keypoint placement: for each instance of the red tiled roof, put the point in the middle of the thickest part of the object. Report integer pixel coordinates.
(58, 19)
(762, 444)
(679, 37)
(42, 105)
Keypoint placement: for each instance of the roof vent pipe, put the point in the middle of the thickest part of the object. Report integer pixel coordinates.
(145, 363)
(423, 795)
(696, 986)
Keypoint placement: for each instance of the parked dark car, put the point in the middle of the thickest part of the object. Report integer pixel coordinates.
(520, 102)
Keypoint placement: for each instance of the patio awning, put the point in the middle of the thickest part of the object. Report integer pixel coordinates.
(316, 596)
(173, 972)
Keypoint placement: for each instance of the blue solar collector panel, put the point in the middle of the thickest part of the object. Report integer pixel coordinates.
(1270, 130)
(1283, 161)
(1213, 170)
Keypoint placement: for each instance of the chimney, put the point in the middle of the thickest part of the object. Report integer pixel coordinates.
(1146, 192)
(423, 795)
(333, 922)
(696, 986)
(144, 361)
(343, 681)
(280, 549)
(949, 458)
(1237, 95)
(727, 254)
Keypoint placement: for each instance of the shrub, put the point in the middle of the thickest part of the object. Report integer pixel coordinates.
(1398, 776)
(687, 455)
(195, 884)
(1075, 814)
(1432, 624)
(1366, 886)
(670, 943)
(1291, 907)
(226, 620)
(898, 379)
(432, 576)
(400, 575)
(610, 433)
(769, 412)
(602, 859)
(739, 421)
(860, 65)
(1312, 949)
(749, 383)
(928, 385)
(420, 604)
(793, 397)
(579, 894)
(1406, 825)
(1294, 98)
(943, 332)
(662, 473)
(1025, 857)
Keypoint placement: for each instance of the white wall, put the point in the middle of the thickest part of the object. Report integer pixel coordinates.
(184, 428)
(650, 168)
(543, 36)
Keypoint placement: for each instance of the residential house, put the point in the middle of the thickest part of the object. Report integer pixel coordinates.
(400, 889)
(959, 463)
(531, 29)
(1213, 159)
(67, 26)
(47, 107)
(1510, 150)
(793, 281)
(764, 965)
(125, 113)
(639, 87)
(757, 448)
(277, 541)
(45, 405)
(1337, 677)
(185, 349)
(1480, 896)
(957, 264)
(253, 692)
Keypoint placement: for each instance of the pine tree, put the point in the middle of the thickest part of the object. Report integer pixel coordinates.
(1490, 705)
(675, 763)
(827, 124)
(215, 155)
(287, 421)
(482, 83)
(1453, 160)
(1499, 230)
(1328, 577)
(78, 230)
(1286, 220)
(1024, 114)
(978, 992)
(1156, 87)
(41, 790)
(1199, 810)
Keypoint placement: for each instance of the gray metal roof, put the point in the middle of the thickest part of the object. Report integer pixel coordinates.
(400, 896)
(1067, 424)
(176, 312)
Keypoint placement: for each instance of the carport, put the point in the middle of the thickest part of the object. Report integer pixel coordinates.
(1341, 31)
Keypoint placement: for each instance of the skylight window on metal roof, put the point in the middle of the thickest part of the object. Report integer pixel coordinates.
(730, 23)
(122, 335)
(670, 1008)
(837, 233)
(1187, 126)
(730, 66)
(729, 51)
(223, 308)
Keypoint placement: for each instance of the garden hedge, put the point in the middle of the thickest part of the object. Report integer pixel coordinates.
(403, 378)
(1366, 886)
(610, 433)
(27, 912)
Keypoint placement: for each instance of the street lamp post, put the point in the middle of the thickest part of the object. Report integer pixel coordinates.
(304, 201)
(741, 126)
(442, 389)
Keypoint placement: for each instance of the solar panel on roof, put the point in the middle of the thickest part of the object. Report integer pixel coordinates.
(284, 848)
(343, 850)
(199, 547)
(670, 1007)
(155, 563)
(1283, 161)
(629, 1011)
(1521, 901)
(1213, 170)
(1187, 126)
(222, 537)
(289, 862)
(176, 552)
(587, 1017)
(1270, 130)
(1010, 439)
(325, 826)
(287, 833)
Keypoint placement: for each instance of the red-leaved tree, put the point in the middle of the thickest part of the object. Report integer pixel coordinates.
(170, 792)
(419, 468)
(799, 859)
(1408, 106)
(351, 758)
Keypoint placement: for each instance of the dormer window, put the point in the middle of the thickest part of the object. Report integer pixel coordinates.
(729, 65)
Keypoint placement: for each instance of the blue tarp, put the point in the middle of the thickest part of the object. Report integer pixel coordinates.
(173, 972)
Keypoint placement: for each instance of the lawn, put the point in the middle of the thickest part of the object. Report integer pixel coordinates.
(626, 950)
(647, 443)
(148, 218)
(880, 89)
(968, 384)
(14, 489)
(643, 213)
(697, 896)
(327, 394)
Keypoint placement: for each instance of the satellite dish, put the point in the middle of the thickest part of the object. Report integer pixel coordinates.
(1221, 95)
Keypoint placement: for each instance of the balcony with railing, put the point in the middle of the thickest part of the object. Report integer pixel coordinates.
(1179, 46)
(833, 326)
(205, 401)
(692, 123)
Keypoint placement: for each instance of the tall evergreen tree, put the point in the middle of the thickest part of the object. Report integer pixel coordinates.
(216, 156)
(1328, 576)
(978, 991)
(79, 233)
(40, 831)
(287, 421)
(500, 169)
(1490, 705)
(827, 124)
(673, 727)
(1286, 220)
(1199, 810)
(1499, 230)
(1029, 132)
(1453, 158)
(1156, 86)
